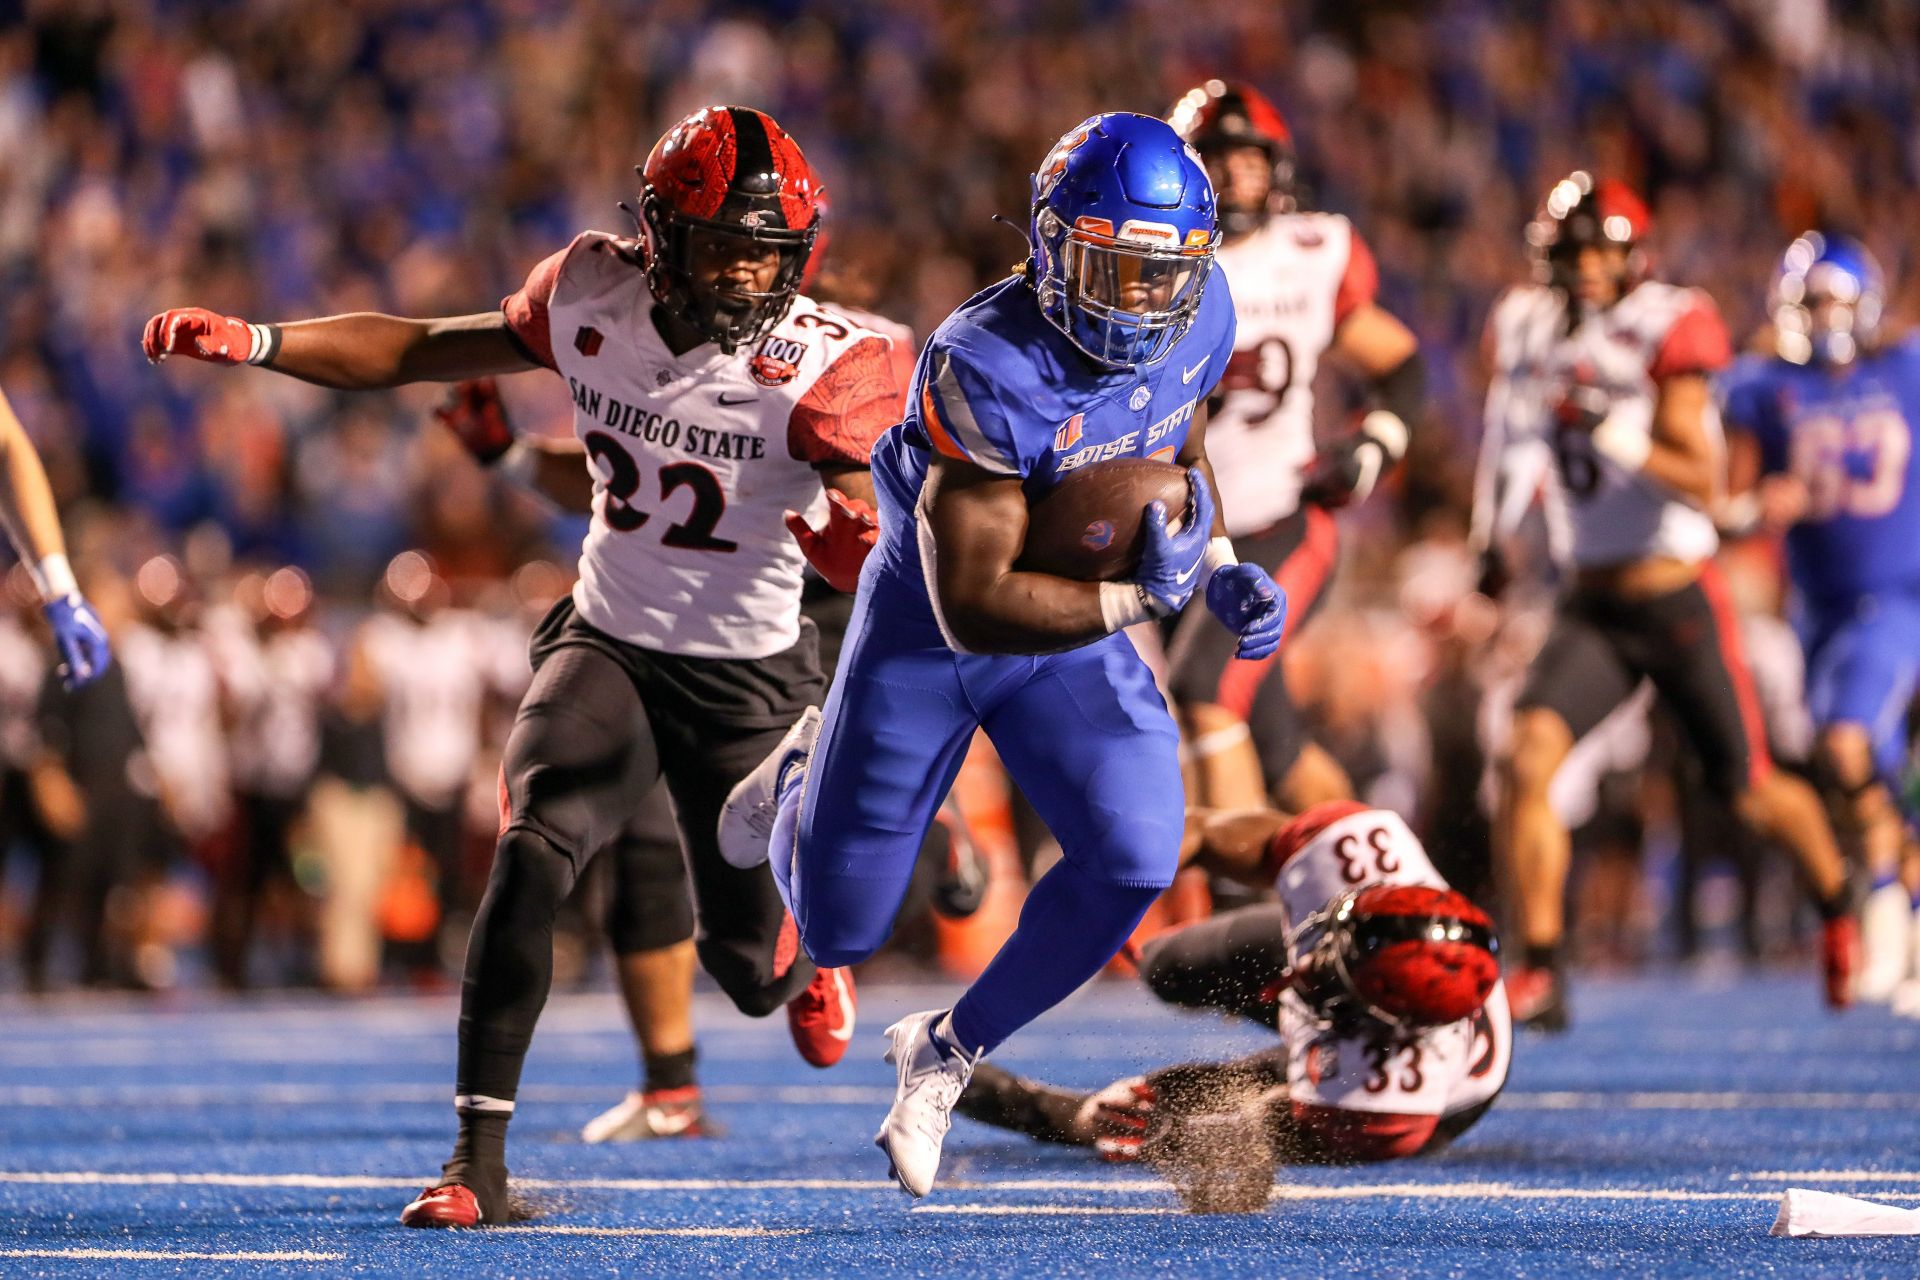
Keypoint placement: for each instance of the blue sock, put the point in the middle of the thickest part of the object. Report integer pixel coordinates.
(1071, 926)
(1882, 880)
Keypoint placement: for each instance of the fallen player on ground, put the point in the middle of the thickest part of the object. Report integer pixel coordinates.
(1382, 982)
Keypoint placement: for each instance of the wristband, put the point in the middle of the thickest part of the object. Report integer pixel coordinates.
(1219, 554)
(1622, 444)
(1385, 428)
(54, 577)
(1124, 603)
(266, 343)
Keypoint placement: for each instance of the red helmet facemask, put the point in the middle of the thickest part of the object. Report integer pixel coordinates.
(1410, 956)
(727, 183)
(1221, 115)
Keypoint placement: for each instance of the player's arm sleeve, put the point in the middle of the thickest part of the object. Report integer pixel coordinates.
(1696, 343)
(1359, 282)
(526, 308)
(848, 406)
(963, 416)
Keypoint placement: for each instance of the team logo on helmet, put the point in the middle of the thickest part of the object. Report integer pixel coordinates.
(727, 183)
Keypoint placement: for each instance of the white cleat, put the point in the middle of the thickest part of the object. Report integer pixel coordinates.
(650, 1114)
(1886, 942)
(922, 1112)
(746, 819)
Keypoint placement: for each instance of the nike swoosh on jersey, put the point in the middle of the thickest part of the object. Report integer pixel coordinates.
(1186, 375)
(742, 400)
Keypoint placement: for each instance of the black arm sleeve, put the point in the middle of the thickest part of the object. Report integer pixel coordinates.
(1402, 390)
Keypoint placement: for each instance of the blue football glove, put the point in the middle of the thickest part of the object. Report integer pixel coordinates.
(1170, 562)
(81, 639)
(1249, 604)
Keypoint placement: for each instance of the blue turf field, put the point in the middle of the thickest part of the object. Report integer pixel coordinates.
(1652, 1140)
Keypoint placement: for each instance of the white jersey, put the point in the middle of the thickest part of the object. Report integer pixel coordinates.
(436, 675)
(1614, 516)
(696, 457)
(1294, 281)
(1440, 1071)
(175, 688)
(277, 683)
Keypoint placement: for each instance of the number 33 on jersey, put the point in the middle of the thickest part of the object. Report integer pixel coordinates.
(695, 457)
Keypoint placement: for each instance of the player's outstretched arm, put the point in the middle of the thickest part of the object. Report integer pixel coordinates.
(355, 352)
(33, 526)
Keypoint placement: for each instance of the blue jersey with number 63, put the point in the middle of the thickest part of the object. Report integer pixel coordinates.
(1847, 434)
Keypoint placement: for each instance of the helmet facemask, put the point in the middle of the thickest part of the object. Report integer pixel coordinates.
(1825, 310)
(1335, 950)
(683, 251)
(1122, 300)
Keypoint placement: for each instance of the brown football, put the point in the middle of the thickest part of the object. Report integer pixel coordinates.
(1090, 527)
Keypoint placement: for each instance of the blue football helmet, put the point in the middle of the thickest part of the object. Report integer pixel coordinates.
(1123, 237)
(1827, 299)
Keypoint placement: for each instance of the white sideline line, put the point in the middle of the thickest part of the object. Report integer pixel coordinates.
(714, 1233)
(1721, 1100)
(1054, 1210)
(53, 1096)
(171, 1255)
(300, 1095)
(1095, 1186)
(1832, 1175)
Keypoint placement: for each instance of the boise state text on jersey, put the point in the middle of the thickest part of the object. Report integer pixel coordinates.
(1846, 433)
(1001, 388)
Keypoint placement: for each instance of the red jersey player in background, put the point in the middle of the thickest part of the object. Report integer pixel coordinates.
(1382, 982)
(1612, 368)
(711, 398)
(1304, 286)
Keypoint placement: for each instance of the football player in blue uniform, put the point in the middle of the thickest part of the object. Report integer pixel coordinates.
(1824, 431)
(1104, 347)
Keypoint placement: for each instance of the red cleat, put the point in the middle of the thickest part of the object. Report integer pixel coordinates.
(1538, 999)
(1840, 958)
(821, 1017)
(448, 1206)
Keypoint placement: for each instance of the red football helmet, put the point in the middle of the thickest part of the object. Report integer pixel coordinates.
(727, 174)
(1410, 956)
(1581, 213)
(1222, 114)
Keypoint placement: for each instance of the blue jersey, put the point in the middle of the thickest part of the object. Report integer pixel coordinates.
(1000, 387)
(1847, 435)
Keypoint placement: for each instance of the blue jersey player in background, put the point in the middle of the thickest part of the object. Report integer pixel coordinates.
(1106, 346)
(1827, 426)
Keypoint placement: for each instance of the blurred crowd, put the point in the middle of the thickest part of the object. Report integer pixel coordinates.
(280, 561)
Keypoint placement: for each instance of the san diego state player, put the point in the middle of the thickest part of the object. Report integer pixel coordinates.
(710, 398)
(1382, 981)
(1613, 367)
(1824, 431)
(1304, 287)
